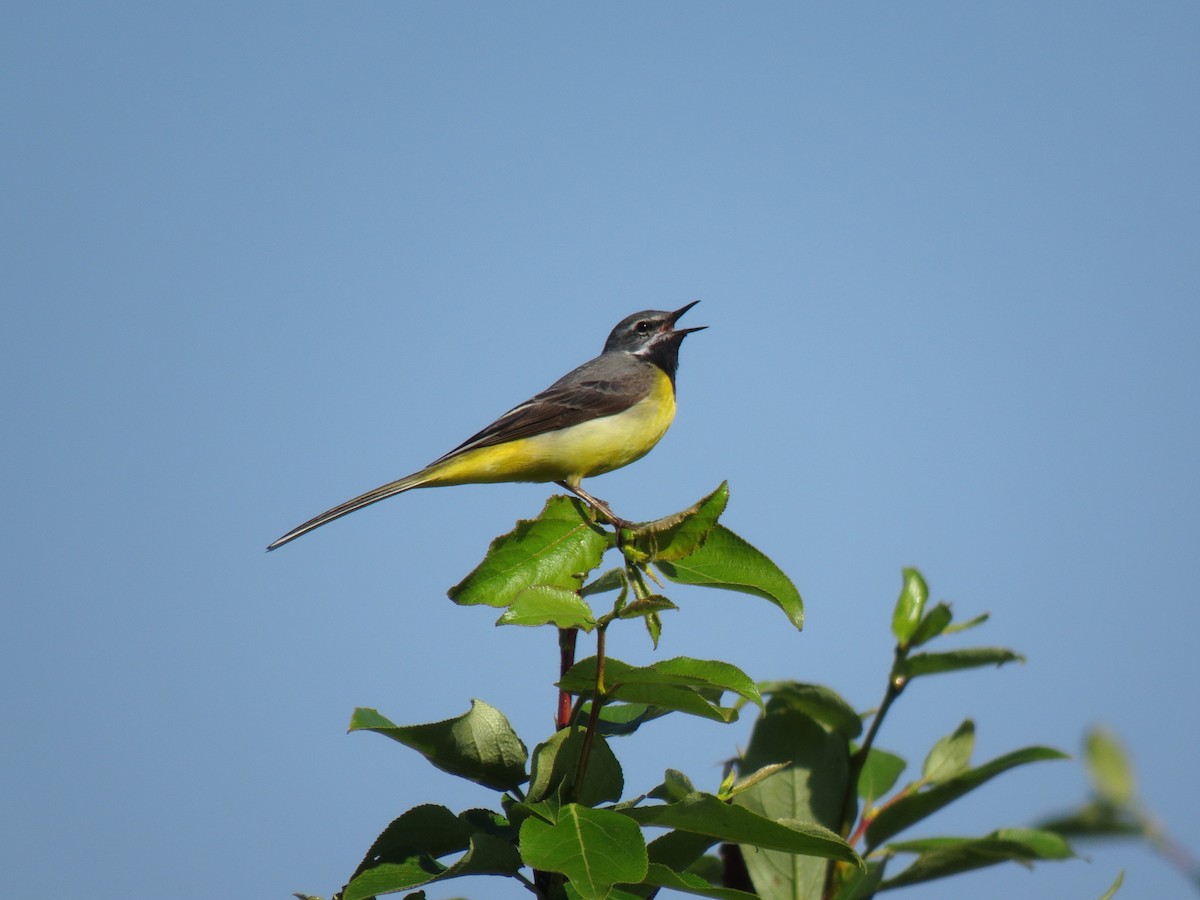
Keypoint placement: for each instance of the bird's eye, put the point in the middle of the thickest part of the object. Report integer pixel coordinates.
(642, 327)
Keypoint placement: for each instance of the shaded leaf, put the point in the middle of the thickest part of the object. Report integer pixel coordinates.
(545, 604)
(821, 703)
(861, 883)
(610, 580)
(618, 719)
(1097, 819)
(479, 745)
(406, 854)
(687, 883)
(679, 850)
(951, 755)
(707, 815)
(727, 561)
(907, 810)
(933, 623)
(941, 857)
(953, 660)
(811, 788)
(879, 774)
(682, 684)
(556, 761)
(557, 548)
(594, 848)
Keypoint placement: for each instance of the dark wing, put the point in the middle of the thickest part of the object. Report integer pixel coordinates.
(605, 386)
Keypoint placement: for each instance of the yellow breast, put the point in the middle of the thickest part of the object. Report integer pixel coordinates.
(569, 454)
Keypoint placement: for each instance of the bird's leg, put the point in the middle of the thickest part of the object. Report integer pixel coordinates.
(597, 504)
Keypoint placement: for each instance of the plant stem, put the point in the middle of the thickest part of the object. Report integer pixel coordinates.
(566, 659)
(594, 718)
(895, 685)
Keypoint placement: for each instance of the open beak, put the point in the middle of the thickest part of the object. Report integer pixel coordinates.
(675, 317)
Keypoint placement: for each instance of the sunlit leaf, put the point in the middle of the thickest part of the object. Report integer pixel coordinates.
(681, 534)
(909, 605)
(1108, 767)
(545, 604)
(727, 561)
(594, 848)
(1116, 886)
(557, 548)
(479, 745)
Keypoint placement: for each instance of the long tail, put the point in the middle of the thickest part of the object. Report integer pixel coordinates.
(380, 493)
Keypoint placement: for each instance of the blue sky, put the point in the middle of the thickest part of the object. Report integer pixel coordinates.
(262, 257)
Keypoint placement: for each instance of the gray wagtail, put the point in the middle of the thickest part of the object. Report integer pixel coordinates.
(603, 415)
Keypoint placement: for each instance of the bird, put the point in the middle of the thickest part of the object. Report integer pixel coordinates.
(605, 414)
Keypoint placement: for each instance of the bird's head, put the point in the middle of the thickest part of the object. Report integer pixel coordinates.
(651, 328)
(652, 336)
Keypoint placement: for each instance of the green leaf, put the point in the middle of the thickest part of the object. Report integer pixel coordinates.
(913, 808)
(933, 623)
(970, 623)
(647, 606)
(811, 788)
(619, 719)
(675, 786)
(1108, 767)
(479, 745)
(679, 850)
(557, 548)
(754, 778)
(594, 848)
(862, 883)
(682, 684)
(821, 703)
(952, 661)
(705, 814)
(555, 763)
(610, 580)
(951, 755)
(406, 854)
(879, 774)
(679, 535)
(909, 605)
(545, 604)
(1116, 886)
(660, 876)
(727, 561)
(941, 857)
(1097, 819)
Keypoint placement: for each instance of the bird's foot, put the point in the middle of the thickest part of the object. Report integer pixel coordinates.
(599, 506)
